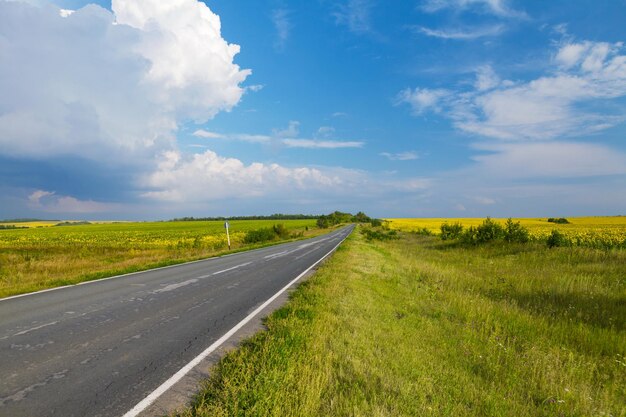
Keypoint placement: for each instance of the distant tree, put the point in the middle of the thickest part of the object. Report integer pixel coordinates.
(338, 217)
(560, 220)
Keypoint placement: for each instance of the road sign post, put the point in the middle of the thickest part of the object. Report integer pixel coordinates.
(226, 225)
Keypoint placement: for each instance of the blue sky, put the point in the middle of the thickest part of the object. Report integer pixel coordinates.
(435, 108)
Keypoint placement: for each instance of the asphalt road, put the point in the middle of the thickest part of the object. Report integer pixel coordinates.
(98, 349)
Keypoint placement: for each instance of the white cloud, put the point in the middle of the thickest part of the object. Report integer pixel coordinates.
(201, 133)
(243, 137)
(422, 99)
(50, 202)
(321, 144)
(339, 114)
(283, 26)
(486, 78)
(401, 156)
(207, 177)
(544, 108)
(463, 33)
(569, 55)
(118, 83)
(36, 196)
(190, 61)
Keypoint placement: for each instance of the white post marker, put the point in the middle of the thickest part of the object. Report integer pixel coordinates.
(226, 225)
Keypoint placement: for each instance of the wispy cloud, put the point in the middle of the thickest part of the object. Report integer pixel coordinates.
(486, 78)
(325, 132)
(355, 14)
(201, 133)
(243, 137)
(401, 156)
(291, 131)
(496, 7)
(422, 99)
(283, 26)
(321, 144)
(288, 136)
(254, 88)
(465, 34)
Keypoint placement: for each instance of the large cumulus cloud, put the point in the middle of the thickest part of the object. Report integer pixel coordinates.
(118, 82)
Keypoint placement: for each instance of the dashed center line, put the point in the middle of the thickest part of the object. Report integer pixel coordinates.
(230, 269)
(172, 287)
(35, 328)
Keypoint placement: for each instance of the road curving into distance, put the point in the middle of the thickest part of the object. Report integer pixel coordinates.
(100, 348)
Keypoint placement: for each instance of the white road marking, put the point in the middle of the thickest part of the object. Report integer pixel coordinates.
(172, 287)
(276, 255)
(35, 328)
(152, 397)
(230, 269)
(306, 245)
(306, 253)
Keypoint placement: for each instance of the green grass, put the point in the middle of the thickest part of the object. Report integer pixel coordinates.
(419, 327)
(39, 258)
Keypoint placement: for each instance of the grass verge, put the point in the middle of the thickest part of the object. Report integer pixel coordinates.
(414, 326)
(37, 259)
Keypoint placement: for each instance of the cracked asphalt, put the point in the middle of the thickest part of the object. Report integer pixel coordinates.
(98, 349)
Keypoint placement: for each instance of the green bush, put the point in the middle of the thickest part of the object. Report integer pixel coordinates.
(557, 239)
(560, 220)
(424, 231)
(514, 232)
(376, 222)
(260, 235)
(489, 231)
(372, 234)
(451, 231)
(469, 236)
(278, 231)
(323, 222)
(281, 231)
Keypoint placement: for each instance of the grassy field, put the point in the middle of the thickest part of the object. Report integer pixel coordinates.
(420, 327)
(38, 258)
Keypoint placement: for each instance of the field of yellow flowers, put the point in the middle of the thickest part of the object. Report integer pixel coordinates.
(44, 256)
(597, 232)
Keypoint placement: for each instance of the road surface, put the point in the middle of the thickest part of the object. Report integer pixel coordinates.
(98, 349)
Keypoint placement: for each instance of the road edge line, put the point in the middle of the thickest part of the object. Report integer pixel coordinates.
(154, 395)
